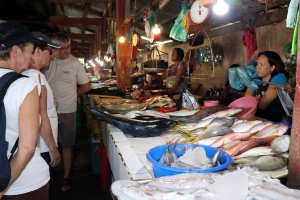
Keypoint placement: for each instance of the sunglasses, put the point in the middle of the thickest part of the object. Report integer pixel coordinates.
(48, 48)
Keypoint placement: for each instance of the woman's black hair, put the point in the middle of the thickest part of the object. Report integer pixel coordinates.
(180, 53)
(274, 59)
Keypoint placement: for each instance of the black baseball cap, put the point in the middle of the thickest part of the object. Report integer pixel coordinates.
(43, 37)
(12, 33)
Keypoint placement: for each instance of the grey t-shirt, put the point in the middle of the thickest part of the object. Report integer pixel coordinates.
(63, 77)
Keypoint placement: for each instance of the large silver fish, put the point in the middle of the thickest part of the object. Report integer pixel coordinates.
(187, 101)
(141, 126)
(245, 160)
(281, 144)
(224, 121)
(213, 131)
(274, 129)
(268, 163)
(225, 113)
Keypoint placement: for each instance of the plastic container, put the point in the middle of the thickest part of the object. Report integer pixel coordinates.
(95, 157)
(159, 169)
(249, 103)
(209, 103)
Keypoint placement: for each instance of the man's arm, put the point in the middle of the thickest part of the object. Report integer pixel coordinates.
(83, 89)
(46, 130)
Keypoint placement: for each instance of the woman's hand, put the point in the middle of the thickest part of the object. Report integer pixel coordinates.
(258, 98)
(55, 157)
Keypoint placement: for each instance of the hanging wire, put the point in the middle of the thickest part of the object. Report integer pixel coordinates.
(204, 76)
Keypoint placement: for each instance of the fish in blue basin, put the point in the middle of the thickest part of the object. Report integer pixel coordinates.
(140, 126)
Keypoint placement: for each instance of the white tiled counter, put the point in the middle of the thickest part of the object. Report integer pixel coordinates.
(127, 156)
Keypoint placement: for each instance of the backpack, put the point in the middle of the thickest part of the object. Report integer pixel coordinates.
(5, 175)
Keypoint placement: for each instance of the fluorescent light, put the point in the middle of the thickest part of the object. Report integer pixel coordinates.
(145, 38)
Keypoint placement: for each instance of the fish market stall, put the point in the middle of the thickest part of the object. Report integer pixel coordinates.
(129, 139)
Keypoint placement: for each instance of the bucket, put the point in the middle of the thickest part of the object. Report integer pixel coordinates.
(209, 103)
(160, 170)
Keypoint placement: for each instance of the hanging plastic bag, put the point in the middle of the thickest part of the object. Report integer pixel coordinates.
(242, 76)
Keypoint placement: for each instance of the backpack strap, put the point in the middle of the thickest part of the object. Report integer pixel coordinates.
(5, 81)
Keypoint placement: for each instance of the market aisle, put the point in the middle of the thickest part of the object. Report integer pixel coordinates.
(85, 185)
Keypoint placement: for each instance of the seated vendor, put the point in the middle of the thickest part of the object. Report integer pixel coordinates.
(270, 69)
(175, 74)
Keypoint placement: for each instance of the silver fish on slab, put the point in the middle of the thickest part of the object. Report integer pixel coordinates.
(224, 121)
(187, 101)
(244, 126)
(274, 129)
(268, 163)
(256, 151)
(213, 131)
(141, 126)
(225, 113)
(245, 160)
(281, 144)
(259, 127)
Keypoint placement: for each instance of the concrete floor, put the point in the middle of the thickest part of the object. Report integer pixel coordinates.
(85, 185)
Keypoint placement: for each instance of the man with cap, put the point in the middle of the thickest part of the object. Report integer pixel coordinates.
(64, 74)
(47, 140)
(29, 171)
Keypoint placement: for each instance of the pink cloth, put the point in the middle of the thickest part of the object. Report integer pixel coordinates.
(249, 40)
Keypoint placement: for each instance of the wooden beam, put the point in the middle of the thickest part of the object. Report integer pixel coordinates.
(78, 1)
(168, 20)
(64, 21)
(82, 36)
(266, 19)
(86, 10)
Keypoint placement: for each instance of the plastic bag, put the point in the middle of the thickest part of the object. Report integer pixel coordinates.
(242, 76)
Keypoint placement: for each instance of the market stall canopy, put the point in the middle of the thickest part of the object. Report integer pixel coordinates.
(83, 20)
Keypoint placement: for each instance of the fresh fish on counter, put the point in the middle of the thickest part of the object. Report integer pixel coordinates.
(137, 127)
(225, 113)
(202, 113)
(281, 144)
(274, 129)
(135, 113)
(208, 141)
(229, 138)
(201, 124)
(224, 121)
(272, 191)
(213, 131)
(187, 101)
(244, 126)
(245, 160)
(231, 144)
(182, 113)
(185, 182)
(259, 127)
(256, 151)
(167, 158)
(246, 145)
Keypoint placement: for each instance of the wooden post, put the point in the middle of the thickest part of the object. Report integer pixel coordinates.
(294, 152)
(123, 53)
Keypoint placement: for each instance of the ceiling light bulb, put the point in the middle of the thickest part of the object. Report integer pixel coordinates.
(122, 39)
(220, 8)
(101, 61)
(156, 29)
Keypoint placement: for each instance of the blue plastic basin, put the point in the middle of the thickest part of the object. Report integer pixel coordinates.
(159, 169)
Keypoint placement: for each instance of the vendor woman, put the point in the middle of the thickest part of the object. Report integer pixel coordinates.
(270, 69)
(175, 74)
